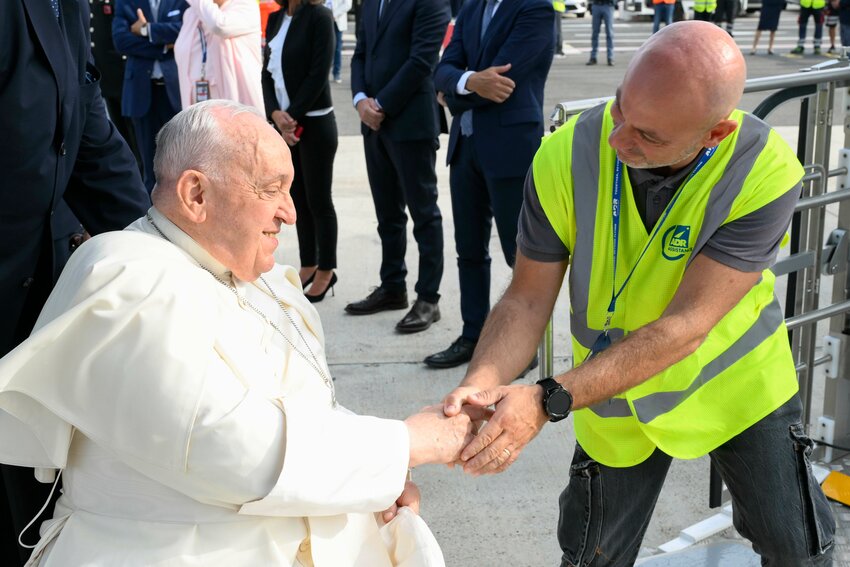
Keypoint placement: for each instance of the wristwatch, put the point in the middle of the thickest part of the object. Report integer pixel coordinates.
(557, 402)
(144, 30)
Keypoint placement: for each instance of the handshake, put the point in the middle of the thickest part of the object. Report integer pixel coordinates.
(455, 432)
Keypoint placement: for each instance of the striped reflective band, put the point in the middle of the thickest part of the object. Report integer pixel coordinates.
(654, 405)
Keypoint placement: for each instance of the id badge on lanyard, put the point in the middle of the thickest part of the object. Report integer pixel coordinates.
(202, 86)
(603, 341)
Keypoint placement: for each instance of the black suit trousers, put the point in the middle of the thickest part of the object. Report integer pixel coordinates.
(477, 199)
(147, 127)
(402, 174)
(313, 159)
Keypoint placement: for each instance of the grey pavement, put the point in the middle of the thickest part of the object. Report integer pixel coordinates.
(509, 519)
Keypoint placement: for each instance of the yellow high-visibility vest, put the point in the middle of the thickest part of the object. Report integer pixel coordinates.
(744, 369)
(705, 6)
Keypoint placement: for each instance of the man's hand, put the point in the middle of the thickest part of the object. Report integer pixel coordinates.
(456, 399)
(136, 27)
(370, 114)
(409, 497)
(490, 83)
(435, 438)
(441, 98)
(283, 121)
(518, 418)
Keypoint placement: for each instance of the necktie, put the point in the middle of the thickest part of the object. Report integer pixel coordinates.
(488, 15)
(55, 5)
(466, 117)
(154, 10)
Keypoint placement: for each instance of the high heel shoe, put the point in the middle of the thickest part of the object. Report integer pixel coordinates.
(309, 280)
(321, 296)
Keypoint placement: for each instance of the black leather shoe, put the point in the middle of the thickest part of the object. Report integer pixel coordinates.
(531, 366)
(591, 61)
(460, 352)
(419, 318)
(378, 300)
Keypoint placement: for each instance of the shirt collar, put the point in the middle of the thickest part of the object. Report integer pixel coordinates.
(179, 238)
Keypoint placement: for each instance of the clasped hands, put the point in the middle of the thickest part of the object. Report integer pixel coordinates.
(455, 433)
(517, 419)
(370, 113)
(286, 124)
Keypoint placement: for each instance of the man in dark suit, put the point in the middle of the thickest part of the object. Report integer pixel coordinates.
(491, 77)
(111, 64)
(57, 144)
(145, 31)
(398, 44)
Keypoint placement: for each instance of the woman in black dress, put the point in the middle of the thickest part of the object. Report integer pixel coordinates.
(768, 21)
(298, 56)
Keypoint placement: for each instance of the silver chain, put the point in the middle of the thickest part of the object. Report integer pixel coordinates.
(312, 361)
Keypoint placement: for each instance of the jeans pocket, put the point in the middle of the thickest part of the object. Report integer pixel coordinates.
(817, 518)
(580, 523)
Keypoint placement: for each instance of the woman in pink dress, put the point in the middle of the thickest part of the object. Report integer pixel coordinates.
(219, 52)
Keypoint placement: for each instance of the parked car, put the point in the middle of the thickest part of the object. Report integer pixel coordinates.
(577, 7)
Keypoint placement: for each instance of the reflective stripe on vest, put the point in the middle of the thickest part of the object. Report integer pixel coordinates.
(744, 369)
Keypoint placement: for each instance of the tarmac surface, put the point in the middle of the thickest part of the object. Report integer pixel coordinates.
(509, 519)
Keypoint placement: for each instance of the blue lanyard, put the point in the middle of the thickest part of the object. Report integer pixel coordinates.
(203, 51)
(615, 213)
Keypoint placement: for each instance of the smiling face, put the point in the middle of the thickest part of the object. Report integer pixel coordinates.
(651, 135)
(676, 96)
(244, 209)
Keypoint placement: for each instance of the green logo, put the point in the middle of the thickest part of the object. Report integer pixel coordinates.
(676, 242)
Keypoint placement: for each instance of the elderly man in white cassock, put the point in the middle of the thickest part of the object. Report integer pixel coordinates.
(177, 378)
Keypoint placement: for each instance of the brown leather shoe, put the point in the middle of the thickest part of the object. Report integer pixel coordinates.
(419, 318)
(378, 300)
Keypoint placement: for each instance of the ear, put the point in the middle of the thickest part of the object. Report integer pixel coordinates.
(192, 195)
(719, 132)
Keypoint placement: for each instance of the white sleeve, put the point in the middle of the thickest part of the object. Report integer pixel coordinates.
(271, 459)
(235, 18)
(337, 462)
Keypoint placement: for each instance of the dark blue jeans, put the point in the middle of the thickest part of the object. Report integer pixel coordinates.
(662, 12)
(602, 13)
(337, 64)
(777, 503)
(803, 19)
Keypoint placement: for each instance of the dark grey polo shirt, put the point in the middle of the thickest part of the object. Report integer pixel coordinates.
(748, 244)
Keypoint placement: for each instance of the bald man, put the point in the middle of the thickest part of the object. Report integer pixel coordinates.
(668, 205)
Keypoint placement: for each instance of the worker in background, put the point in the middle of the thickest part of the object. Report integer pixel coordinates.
(813, 9)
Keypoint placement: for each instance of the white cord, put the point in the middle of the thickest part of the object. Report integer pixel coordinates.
(43, 508)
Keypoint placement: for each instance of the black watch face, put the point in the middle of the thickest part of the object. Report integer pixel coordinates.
(558, 403)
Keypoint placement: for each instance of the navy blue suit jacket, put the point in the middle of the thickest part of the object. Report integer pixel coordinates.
(506, 135)
(56, 143)
(394, 61)
(141, 52)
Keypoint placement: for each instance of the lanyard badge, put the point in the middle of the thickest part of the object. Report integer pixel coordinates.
(603, 341)
(202, 86)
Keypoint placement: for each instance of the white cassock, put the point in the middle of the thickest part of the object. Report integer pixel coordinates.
(189, 430)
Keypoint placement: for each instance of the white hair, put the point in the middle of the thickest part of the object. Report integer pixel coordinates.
(194, 139)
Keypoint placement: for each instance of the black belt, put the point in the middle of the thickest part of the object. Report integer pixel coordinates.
(158, 82)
